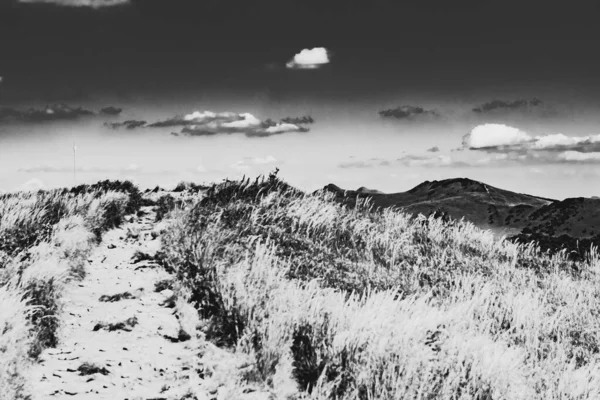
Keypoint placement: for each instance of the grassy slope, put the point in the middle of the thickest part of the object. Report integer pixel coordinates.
(350, 303)
(45, 238)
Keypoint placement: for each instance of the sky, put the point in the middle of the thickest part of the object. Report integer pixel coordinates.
(398, 93)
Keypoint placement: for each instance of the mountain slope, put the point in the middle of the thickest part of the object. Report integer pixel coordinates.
(502, 211)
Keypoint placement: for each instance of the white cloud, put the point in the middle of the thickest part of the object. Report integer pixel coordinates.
(506, 143)
(248, 121)
(32, 185)
(200, 115)
(576, 156)
(309, 59)
(81, 3)
(495, 135)
(207, 123)
(560, 141)
(281, 128)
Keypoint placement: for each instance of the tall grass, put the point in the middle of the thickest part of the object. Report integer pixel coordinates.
(363, 304)
(15, 339)
(45, 240)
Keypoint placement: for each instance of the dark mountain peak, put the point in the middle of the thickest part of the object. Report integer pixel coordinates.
(365, 190)
(451, 185)
(333, 188)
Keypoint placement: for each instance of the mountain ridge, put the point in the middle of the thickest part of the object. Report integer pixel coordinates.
(504, 212)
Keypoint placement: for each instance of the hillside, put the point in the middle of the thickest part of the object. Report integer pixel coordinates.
(254, 290)
(502, 211)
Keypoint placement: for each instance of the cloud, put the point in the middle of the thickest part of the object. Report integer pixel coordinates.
(52, 112)
(32, 185)
(111, 110)
(499, 137)
(408, 112)
(208, 123)
(576, 156)
(248, 162)
(433, 149)
(309, 59)
(307, 119)
(408, 160)
(502, 105)
(494, 136)
(129, 124)
(430, 161)
(81, 3)
(516, 145)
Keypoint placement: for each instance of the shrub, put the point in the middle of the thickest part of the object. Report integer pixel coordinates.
(165, 204)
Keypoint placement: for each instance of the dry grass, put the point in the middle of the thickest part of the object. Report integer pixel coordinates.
(15, 339)
(45, 240)
(355, 304)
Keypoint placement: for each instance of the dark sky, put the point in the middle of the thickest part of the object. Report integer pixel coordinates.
(161, 58)
(174, 46)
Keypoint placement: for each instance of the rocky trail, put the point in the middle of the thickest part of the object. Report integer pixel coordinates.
(120, 337)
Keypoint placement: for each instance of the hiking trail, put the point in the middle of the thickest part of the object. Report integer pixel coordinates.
(124, 347)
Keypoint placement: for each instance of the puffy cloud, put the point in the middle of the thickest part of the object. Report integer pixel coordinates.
(433, 149)
(111, 110)
(129, 124)
(502, 105)
(309, 59)
(52, 112)
(408, 112)
(247, 121)
(81, 3)
(495, 136)
(498, 137)
(200, 118)
(515, 145)
(207, 123)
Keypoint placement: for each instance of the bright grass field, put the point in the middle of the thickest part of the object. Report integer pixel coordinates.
(337, 303)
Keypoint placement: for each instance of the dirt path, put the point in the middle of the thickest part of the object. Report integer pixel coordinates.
(134, 360)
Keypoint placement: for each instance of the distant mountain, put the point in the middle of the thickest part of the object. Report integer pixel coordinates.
(502, 211)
